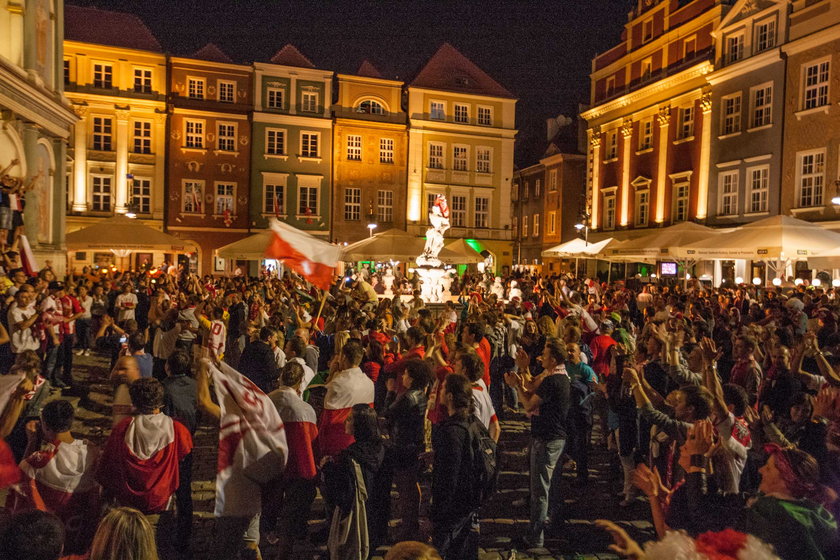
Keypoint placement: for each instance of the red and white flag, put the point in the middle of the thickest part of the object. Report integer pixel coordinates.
(252, 443)
(346, 389)
(309, 256)
(27, 257)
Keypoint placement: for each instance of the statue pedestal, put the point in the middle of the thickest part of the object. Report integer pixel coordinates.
(431, 290)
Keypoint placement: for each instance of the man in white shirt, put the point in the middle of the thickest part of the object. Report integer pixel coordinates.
(126, 303)
(295, 351)
(84, 322)
(22, 316)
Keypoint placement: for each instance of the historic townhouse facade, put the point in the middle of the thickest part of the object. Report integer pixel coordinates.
(35, 118)
(291, 155)
(370, 152)
(115, 77)
(527, 224)
(811, 159)
(748, 89)
(461, 134)
(209, 152)
(564, 198)
(649, 125)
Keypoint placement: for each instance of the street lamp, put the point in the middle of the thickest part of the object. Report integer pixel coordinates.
(836, 199)
(371, 227)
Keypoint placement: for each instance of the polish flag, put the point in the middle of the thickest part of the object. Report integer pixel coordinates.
(252, 442)
(346, 389)
(9, 470)
(27, 257)
(140, 461)
(300, 423)
(309, 256)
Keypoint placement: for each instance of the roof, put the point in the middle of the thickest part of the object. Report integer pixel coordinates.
(450, 70)
(368, 70)
(105, 27)
(291, 56)
(211, 53)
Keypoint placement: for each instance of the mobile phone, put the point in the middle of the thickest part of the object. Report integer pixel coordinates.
(123, 339)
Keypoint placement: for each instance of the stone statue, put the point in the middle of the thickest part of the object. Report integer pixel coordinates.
(497, 288)
(439, 220)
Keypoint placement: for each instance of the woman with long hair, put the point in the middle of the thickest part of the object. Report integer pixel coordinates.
(124, 534)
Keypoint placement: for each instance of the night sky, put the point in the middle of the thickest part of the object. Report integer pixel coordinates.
(540, 51)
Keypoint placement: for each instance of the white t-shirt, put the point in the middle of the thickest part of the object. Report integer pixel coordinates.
(124, 300)
(484, 410)
(21, 339)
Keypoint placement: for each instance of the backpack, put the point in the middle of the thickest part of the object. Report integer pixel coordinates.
(484, 462)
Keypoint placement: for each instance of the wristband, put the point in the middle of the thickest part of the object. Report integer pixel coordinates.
(700, 461)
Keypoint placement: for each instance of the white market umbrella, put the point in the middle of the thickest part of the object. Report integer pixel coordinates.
(392, 245)
(576, 248)
(251, 248)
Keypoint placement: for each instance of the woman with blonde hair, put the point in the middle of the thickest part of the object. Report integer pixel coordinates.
(412, 550)
(124, 534)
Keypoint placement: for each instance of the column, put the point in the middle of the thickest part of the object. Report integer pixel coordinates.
(705, 150)
(717, 277)
(80, 132)
(594, 185)
(120, 180)
(627, 134)
(664, 119)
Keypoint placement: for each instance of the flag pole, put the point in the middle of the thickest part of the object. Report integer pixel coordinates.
(320, 309)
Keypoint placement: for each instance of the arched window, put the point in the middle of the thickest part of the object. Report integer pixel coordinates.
(370, 107)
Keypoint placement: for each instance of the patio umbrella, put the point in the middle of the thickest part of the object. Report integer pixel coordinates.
(577, 248)
(122, 233)
(251, 248)
(465, 254)
(391, 245)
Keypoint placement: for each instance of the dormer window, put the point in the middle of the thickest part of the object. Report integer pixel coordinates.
(734, 47)
(370, 107)
(462, 81)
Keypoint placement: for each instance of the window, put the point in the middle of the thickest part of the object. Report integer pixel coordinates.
(103, 75)
(525, 190)
(609, 211)
(483, 163)
(101, 193)
(728, 193)
(686, 124)
(514, 227)
(731, 114)
(646, 134)
(642, 207)
(352, 204)
(552, 180)
(811, 178)
(193, 197)
(370, 107)
(227, 91)
(680, 211)
(274, 98)
(762, 106)
(435, 156)
(142, 80)
(195, 88)
(227, 137)
(610, 88)
(612, 144)
(309, 144)
(485, 116)
(386, 150)
(462, 113)
(102, 133)
(482, 211)
(309, 102)
(66, 71)
(759, 180)
(525, 226)
(647, 30)
(765, 35)
(689, 47)
(385, 206)
(142, 137)
(141, 194)
(275, 142)
(430, 200)
(734, 48)
(274, 199)
(194, 137)
(308, 203)
(537, 187)
(225, 195)
(458, 216)
(536, 225)
(459, 158)
(815, 91)
(354, 148)
(552, 223)
(437, 111)
(646, 69)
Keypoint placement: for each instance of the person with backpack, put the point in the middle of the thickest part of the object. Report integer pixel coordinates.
(583, 384)
(547, 398)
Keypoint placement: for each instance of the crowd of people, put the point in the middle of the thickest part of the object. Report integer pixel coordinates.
(721, 407)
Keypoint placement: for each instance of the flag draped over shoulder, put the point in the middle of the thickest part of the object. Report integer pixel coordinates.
(309, 256)
(252, 443)
(8, 384)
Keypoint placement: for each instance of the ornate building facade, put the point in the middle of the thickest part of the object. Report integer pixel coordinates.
(528, 212)
(35, 118)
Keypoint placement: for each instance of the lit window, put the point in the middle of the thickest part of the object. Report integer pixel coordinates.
(308, 204)
(552, 222)
(274, 199)
(225, 196)
(436, 111)
(194, 137)
(536, 225)
(462, 113)
(103, 75)
(609, 211)
(729, 193)
(227, 137)
(386, 150)
(102, 133)
(352, 204)
(101, 191)
(762, 105)
(811, 178)
(354, 148)
(309, 144)
(552, 180)
(385, 206)
(686, 123)
(227, 91)
(192, 197)
(195, 88)
(680, 213)
(485, 116)
(141, 194)
(525, 226)
(734, 48)
(275, 142)
(483, 160)
(642, 208)
(759, 181)
(142, 137)
(731, 114)
(309, 102)
(435, 156)
(370, 107)
(142, 80)
(66, 71)
(646, 134)
(459, 158)
(274, 98)
(482, 212)
(537, 187)
(815, 91)
(765, 35)
(612, 144)
(458, 215)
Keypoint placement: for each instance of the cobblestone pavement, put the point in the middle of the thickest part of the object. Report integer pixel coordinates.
(503, 519)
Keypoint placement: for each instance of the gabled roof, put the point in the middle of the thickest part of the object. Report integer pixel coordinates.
(450, 70)
(291, 56)
(368, 70)
(105, 27)
(211, 53)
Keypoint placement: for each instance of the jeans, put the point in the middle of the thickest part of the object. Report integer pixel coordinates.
(83, 332)
(544, 457)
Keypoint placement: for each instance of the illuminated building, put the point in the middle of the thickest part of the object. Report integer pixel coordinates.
(461, 133)
(528, 219)
(209, 159)
(370, 145)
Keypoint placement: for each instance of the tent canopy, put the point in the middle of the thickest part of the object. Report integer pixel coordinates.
(251, 248)
(773, 238)
(392, 245)
(124, 233)
(465, 253)
(577, 248)
(662, 244)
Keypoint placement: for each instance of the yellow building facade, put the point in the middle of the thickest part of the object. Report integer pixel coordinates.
(461, 136)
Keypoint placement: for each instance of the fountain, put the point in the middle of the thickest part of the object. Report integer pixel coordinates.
(429, 267)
